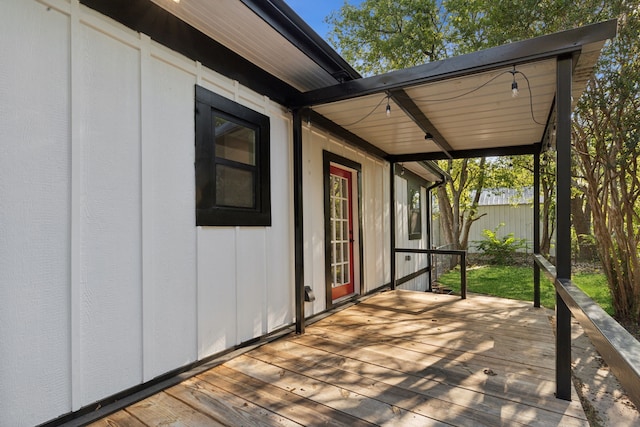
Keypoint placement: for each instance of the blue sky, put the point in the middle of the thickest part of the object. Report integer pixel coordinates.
(314, 12)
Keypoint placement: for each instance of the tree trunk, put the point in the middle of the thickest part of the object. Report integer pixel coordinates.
(581, 219)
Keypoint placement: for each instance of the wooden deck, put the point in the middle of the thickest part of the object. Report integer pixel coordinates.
(399, 358)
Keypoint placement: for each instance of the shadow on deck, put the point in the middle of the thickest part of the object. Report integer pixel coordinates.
(399, 358)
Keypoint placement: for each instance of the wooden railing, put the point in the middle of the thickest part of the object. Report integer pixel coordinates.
(615, 344)
(463, 263)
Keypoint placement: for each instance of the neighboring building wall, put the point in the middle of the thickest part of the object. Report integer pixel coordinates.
(105, 281)
(517, 219)
(375, 214)
(512, 208)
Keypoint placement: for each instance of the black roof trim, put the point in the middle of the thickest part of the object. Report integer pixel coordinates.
(514, 150)
(433, 167)
(146, 17)
(539, 48)
(293, 28)
(331, 127)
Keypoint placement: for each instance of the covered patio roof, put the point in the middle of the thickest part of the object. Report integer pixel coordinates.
(463, 103)
(454, 108)
(463, 106)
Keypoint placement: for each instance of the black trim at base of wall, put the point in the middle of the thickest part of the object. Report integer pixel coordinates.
(121, 400)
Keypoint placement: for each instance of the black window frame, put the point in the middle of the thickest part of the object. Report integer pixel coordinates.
(209, 105)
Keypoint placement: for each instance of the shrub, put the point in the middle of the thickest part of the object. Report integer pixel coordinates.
(499, 251)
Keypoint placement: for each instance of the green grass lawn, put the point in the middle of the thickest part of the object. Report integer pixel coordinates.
(517, 283)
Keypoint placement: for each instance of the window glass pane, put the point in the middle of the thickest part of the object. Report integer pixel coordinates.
(234, 187)
(415, 214)
(335, 185)
(235, 142)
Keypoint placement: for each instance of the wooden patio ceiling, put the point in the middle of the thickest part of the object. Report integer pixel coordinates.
(398, 358)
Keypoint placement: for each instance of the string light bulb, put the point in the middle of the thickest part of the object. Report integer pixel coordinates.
(514, 84)
(388, 109)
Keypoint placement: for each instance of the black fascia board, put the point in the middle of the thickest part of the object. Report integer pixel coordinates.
(285, 21)
(539, 48)
(515, 150)
(433, 167)
(414, 112)
(320, 120)
(146, 17)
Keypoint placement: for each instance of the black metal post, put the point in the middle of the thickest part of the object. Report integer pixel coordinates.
(536, 228)
(392, 220)
(563, 221)
(463, 275)
(297, 220)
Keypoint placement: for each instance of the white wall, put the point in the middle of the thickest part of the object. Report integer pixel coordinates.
(415, 262)
(105, 281)
(375, 214)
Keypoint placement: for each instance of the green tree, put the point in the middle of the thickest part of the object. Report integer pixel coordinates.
(383, 35)
(607, 142)
(458, 198)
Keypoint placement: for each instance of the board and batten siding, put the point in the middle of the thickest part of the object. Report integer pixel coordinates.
(375, 214)
(105, 281)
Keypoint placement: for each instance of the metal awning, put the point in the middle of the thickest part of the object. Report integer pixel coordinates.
(463, 106)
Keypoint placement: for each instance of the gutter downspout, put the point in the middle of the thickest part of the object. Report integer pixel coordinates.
(429, 211)
(298, 222)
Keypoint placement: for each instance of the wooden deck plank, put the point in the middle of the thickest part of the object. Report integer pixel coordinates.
(430, 403)
(469, 339)
(491, 352)
(224, 407)
(165, 410)
(376, 314)
(511, 379)
(476, 307)
(399, 358)
(358, 405)
(118, 419)
(482, 408)
(299, 409)
(503, 384)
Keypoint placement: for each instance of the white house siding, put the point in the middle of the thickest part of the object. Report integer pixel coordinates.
(35, 174)
(375, 214)
(415, 262)
(105, 281)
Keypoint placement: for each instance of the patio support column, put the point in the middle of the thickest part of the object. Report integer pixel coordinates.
(536, 228)
(563, 235)
(392, 220)
(297, 221)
